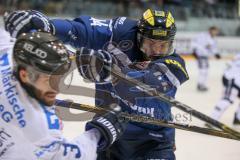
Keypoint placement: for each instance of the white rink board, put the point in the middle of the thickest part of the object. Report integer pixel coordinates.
(190, 146)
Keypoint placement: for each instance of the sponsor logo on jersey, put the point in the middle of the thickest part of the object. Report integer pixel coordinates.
(10, 93)
(4, 60)
(4, 141)
(144, 110)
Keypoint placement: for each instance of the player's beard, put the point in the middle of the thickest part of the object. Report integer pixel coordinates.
(39, 95)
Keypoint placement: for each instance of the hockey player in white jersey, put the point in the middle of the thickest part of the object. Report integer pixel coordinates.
(205, 45)
(27, 111)
(231, 84)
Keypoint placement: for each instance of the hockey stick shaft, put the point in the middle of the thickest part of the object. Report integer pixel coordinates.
(148, 120)
(153, 92)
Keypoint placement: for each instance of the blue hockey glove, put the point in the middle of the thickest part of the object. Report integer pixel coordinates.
(91, 64)
(110, 127)
(18, 22)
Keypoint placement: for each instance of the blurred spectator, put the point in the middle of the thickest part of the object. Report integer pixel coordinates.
(109, 8)
(211, 2)
(53, 6)
(39, 4)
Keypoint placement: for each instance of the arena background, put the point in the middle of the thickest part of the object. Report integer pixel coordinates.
(192, 17)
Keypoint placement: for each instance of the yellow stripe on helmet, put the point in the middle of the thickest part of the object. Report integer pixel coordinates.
(170, 20)
(148, 16)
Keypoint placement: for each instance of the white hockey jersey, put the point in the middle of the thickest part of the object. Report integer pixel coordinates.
(233, 70)
(6, 41)
(13, 144)
(25, 123)
(204, 44)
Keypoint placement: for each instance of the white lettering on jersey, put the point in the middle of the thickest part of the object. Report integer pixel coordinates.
(9, 90)
(98, 22)
(121, 20)
(109, 125)
(144, 110)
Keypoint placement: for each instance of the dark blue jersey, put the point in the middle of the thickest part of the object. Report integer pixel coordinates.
(164, 74)
(97, 34)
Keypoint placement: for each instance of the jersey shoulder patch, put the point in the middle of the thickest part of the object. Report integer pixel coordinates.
(176, 68)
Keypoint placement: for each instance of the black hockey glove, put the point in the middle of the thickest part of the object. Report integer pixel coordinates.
(110, 127)
(18, 22)
(217, 56)
(91, 64)
(194, 54)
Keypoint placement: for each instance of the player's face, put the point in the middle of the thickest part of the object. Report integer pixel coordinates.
(44, 86)
(153, 47)
(47, 89)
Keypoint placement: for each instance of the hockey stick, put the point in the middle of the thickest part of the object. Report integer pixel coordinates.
(153, 92)
(148, 120)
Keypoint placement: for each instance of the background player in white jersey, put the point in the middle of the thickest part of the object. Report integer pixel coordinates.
(205, 45)
(231, 84)
(27, 104)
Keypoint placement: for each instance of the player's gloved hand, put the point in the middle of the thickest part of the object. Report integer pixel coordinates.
(91, 64)
(121, 58)
(195, 54)
(110, 126)
(217, 56)
(21, 21)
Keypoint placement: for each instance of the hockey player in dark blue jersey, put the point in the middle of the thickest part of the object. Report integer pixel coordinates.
(143, 50)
